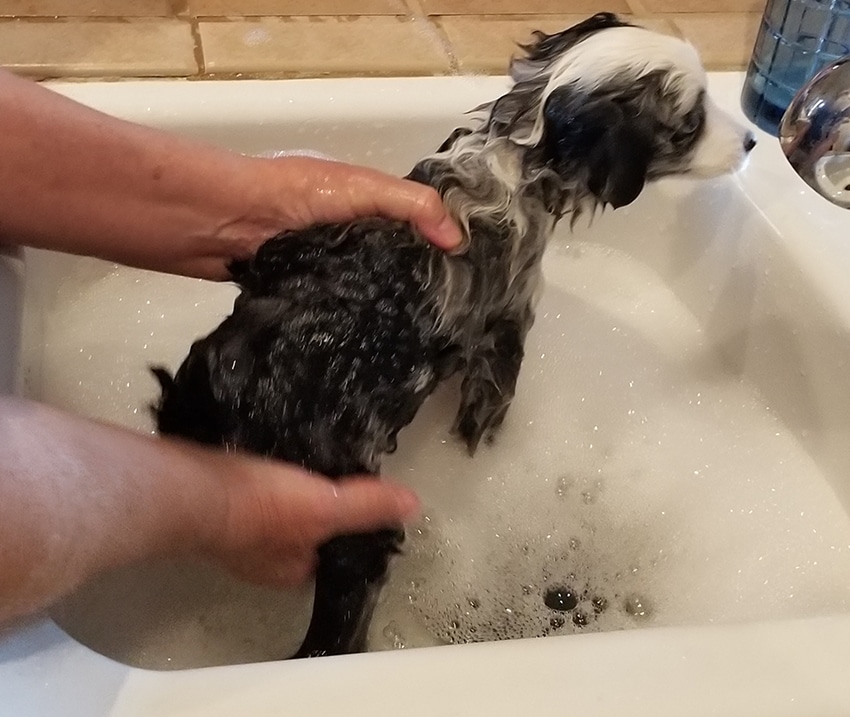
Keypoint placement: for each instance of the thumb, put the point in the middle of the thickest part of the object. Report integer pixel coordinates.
(423, 206)
(364, 504)
(406, 200)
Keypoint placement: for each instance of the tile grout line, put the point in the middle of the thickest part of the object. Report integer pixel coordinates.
(417, 14)
(81, 20)
(198, 47)
(451, 51)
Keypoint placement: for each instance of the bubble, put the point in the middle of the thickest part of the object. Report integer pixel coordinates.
(580, 618)
(600, 604)
(563, 485)
(393, 634)
(637, 606)
(562, 599)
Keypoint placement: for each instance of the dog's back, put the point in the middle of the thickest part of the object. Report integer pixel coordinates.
(330, 350)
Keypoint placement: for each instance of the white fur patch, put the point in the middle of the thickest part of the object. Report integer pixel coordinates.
(721, 148)
(630, 51)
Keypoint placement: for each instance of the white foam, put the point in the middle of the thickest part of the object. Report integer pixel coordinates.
(633, 468)
(102, 334)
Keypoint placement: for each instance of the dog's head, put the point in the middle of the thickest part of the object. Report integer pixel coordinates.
(607, 106)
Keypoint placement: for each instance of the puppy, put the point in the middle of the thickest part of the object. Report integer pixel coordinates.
(342, 331)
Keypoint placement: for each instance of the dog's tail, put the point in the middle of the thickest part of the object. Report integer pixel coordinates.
(186, 406)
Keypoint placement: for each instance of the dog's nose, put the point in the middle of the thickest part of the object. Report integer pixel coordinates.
(749, 142)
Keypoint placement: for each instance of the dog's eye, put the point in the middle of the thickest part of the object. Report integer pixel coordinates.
(692, 121)
(689, 128)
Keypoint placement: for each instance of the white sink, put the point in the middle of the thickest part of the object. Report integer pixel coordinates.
(678, 450)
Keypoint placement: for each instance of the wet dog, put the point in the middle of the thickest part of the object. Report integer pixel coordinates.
(342, 331)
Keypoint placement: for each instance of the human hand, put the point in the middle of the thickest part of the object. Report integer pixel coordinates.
(320, 191)
(75, 180)
(103, 497)
(278, 516)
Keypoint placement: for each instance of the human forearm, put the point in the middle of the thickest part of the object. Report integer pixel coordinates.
(78, 497)
(76, 180)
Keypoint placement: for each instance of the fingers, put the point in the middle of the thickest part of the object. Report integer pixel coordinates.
(405, 200)
(294, 512)
(420, 205)
(334, 192)
(358, 505)
(278, 516)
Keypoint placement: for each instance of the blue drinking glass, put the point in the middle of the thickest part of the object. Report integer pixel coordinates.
(796, 39)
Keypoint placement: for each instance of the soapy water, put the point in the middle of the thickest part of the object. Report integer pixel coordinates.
(637, 481)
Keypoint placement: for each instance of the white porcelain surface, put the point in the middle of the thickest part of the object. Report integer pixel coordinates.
(778, 257)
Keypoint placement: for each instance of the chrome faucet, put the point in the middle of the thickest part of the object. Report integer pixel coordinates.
(815, 132)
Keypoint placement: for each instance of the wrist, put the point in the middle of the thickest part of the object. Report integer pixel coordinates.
(201, 504)
(220, 213)
(250, 202)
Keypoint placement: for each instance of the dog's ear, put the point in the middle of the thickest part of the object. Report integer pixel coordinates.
(619, 162)
(594, 136)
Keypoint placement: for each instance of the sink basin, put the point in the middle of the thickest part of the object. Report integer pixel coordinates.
(668, 502)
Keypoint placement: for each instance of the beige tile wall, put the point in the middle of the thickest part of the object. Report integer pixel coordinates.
(315, 38)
